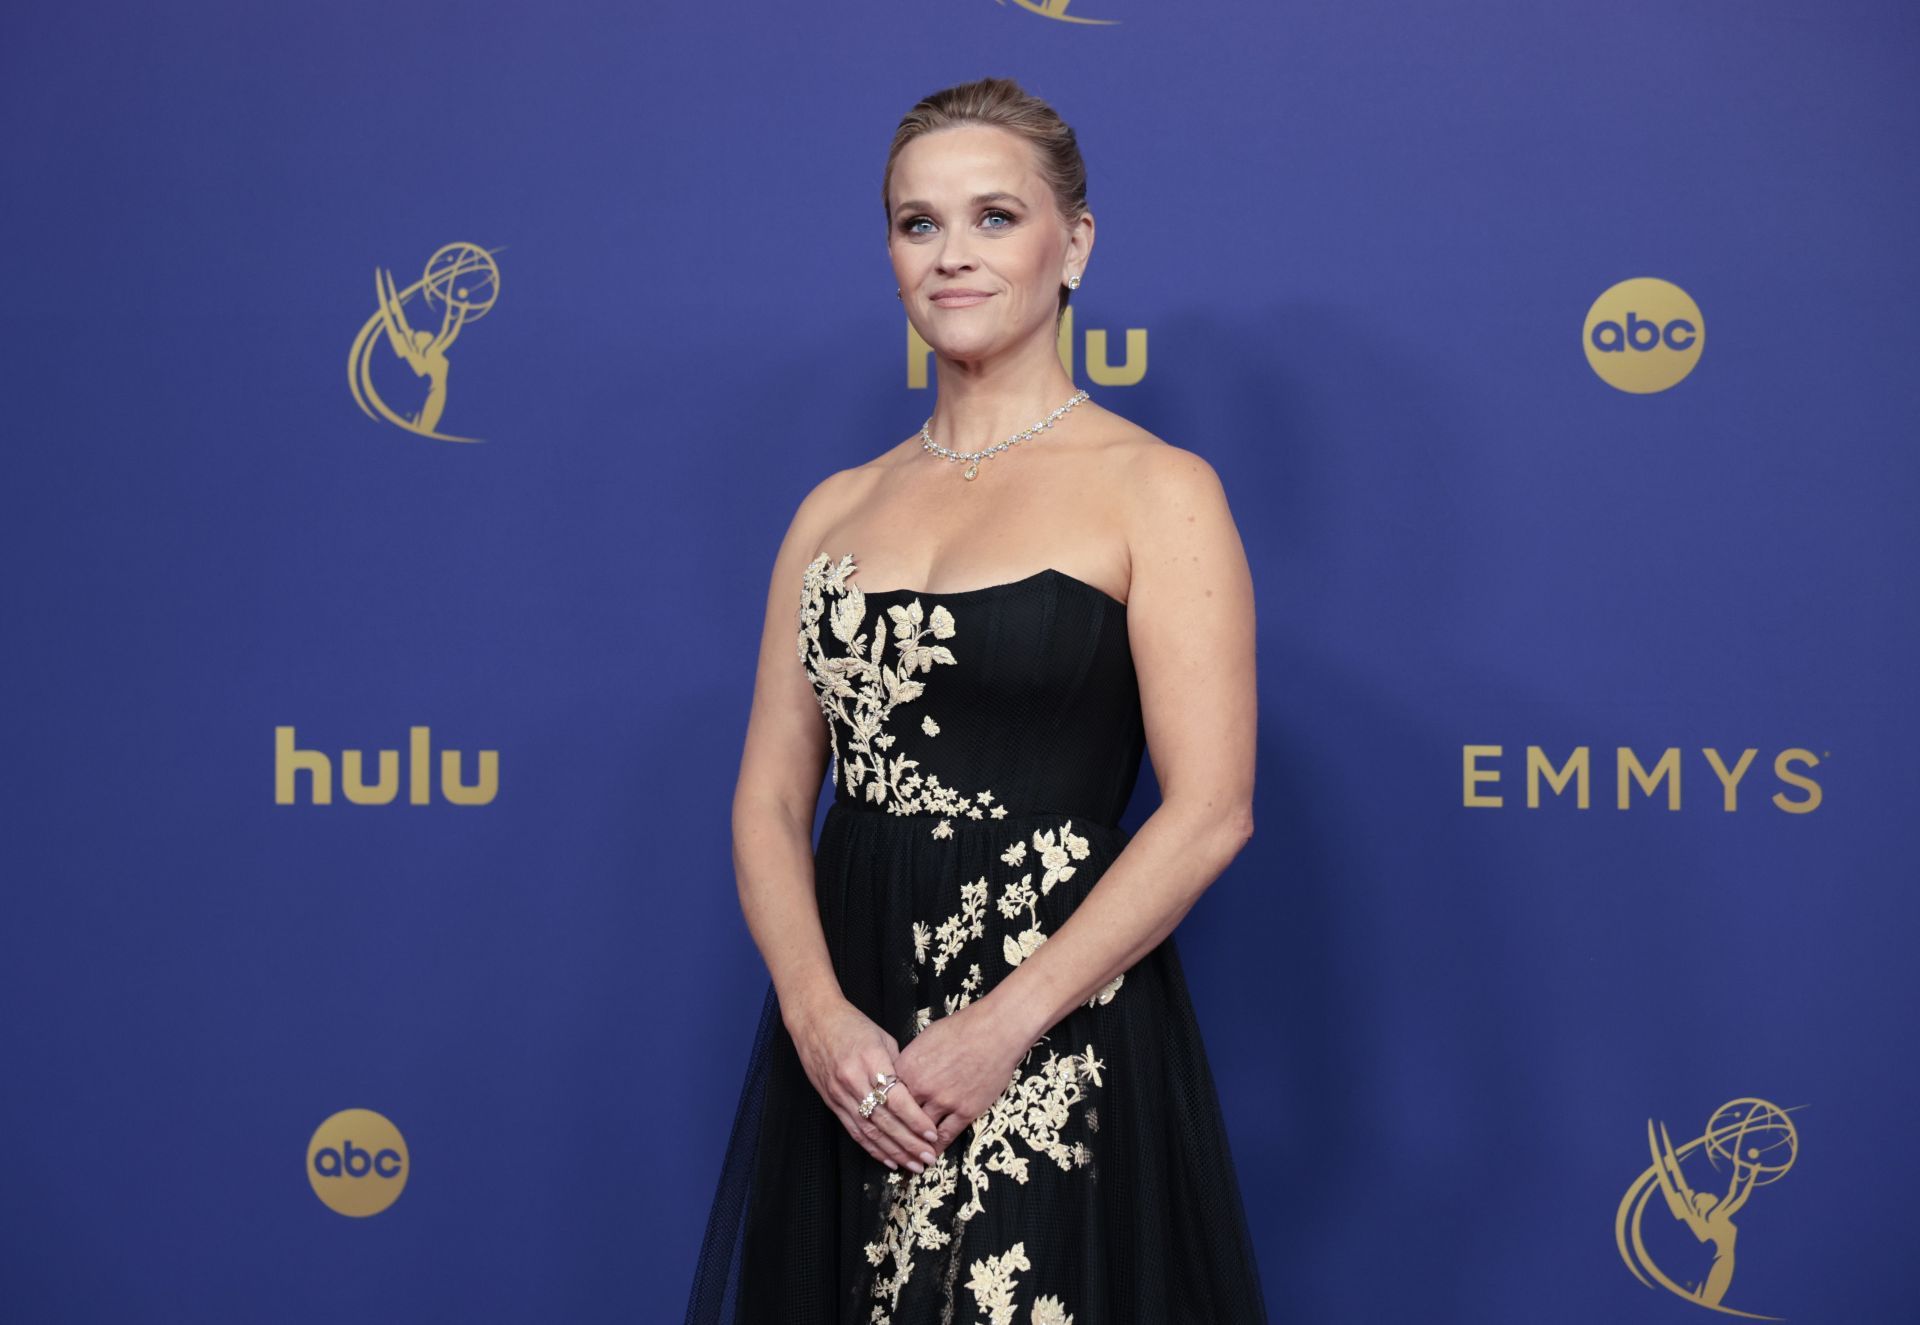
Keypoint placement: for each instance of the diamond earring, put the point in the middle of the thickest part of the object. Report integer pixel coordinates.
(1073, 282)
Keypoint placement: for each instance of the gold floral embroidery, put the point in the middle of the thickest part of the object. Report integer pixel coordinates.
(1033, 1108)
(858, 692)
(992, 1282)
(968, 988)
(1054, 855)
(910, 1224)
(1032, 1111)
(1050, 1310)
(966, 923)
(1105, 996)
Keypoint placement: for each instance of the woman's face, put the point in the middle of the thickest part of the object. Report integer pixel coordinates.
(971, 212)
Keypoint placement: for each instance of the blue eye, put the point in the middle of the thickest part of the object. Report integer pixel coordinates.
(907, 227)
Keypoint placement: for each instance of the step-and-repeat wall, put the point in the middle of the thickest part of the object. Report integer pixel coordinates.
(405, 404)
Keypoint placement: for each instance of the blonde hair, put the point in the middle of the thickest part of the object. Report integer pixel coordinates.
(1003, 104)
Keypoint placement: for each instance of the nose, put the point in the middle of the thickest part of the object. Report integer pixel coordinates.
(956, 253)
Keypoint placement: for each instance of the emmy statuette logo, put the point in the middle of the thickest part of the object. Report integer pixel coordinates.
(460, 285)
(1054, 9)
(1757, 1143)
(1643, 335)
(357, 1162)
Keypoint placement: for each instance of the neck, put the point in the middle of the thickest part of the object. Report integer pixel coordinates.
(983, 401)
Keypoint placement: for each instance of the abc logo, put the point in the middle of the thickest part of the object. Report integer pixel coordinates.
(1644, 335)
(357, 1162)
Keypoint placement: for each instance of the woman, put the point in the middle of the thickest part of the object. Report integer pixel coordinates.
(978, 1091)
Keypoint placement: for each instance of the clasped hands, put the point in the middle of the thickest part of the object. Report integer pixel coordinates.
(949, 1074)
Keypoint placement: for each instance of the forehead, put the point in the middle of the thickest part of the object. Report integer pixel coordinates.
(951, 165)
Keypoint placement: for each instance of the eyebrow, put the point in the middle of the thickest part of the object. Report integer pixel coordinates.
(999, 195)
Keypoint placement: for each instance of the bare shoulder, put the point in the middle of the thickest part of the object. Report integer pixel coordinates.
(1180, 529)
(1152, 463)
(1161, 484)
(828, 501)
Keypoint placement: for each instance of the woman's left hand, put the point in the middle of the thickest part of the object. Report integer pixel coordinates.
(960, 1064)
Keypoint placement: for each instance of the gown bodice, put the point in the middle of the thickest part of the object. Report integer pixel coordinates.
(1013, 699)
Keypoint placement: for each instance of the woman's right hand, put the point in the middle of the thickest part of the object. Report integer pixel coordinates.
(842, 1049)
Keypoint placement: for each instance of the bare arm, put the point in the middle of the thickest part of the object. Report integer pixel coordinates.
(781, 766)
(786, 752)
(1190, 622)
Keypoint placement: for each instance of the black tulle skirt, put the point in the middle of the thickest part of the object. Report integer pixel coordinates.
(1098, 1189)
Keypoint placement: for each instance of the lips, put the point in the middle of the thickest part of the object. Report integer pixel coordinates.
(959, 296)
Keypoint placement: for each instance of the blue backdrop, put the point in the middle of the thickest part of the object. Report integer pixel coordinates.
(1356, 246)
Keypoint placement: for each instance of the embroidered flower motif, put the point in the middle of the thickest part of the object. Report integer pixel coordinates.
(1105, 996)
(1017, 895)
(859, 688)
(1055, 855)
(1017, 948)
(968, 988)
(858, 691)
(909, 1224)
(1033, 1109)
(969, 922)
(991, 1279)
(1050, 1310)
(1026, 1120)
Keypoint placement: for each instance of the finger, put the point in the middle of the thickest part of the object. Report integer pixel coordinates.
(950, 1126)
(893, 1135)
(831, 1094)
(870, 1129)
(912, 1115)
(850, 1119)
(899, 1130)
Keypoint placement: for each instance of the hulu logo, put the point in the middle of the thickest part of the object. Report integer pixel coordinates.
(1101, 370)
(289, 760)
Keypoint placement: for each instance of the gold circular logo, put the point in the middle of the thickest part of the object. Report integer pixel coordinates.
(357, 1162)
(1643, 335)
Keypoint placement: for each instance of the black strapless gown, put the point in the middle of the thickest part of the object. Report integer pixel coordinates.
(985, 744)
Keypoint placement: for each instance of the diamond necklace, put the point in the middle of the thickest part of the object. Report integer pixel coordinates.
(975, 457)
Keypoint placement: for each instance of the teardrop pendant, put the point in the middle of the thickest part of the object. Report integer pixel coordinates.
(970, 470)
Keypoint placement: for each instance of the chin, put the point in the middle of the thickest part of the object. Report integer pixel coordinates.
(966, 347)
